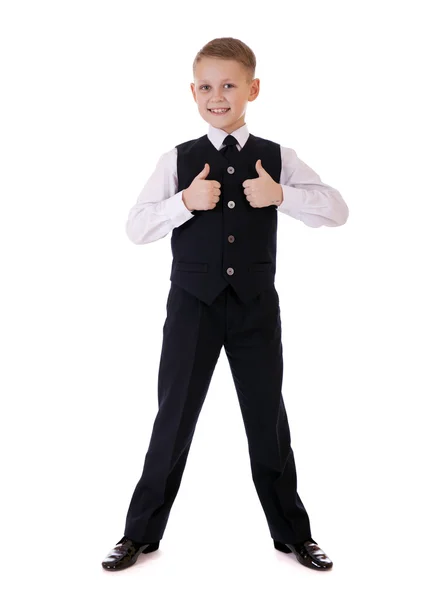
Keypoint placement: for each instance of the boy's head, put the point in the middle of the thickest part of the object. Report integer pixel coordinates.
(223, 73)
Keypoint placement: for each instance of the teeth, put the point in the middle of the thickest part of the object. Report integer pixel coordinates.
(219, 110)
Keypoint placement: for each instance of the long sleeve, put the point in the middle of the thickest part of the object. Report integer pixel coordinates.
(305, 197)
(159, 207)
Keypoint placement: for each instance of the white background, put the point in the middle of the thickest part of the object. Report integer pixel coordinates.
(92, 94)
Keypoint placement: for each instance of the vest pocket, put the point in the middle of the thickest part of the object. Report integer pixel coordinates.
(187, 266)
(264, 266)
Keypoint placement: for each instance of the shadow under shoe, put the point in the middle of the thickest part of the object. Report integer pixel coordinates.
(125, 553)
(308, 554)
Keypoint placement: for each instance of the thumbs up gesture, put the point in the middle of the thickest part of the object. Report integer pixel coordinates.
(203, 193)
(262, 191)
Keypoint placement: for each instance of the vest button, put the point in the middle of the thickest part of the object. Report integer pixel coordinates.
(230, 170)
(230, 271)
(231, 204)
(231, 238)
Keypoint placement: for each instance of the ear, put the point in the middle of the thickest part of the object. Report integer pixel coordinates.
(254, 89)
(193, 91)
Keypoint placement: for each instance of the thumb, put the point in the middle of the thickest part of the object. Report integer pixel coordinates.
(204, 173)
(260, 169)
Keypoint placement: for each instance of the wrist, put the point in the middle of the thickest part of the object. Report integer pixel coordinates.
(279, 196)
(184, 199)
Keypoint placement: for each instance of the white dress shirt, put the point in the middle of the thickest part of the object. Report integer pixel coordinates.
(160, 208)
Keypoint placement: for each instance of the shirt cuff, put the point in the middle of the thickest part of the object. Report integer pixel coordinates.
(177, 212)
(292, 200)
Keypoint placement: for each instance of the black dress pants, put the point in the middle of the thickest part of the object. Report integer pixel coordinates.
(193, 336)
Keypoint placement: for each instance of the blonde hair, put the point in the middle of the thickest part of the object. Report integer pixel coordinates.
(229, 48)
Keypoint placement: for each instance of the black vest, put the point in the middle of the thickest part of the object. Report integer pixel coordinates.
(234, 243)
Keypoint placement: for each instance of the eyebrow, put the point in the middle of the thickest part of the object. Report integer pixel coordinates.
(223, 81)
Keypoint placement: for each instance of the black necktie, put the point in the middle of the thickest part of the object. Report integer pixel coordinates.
(230, 147)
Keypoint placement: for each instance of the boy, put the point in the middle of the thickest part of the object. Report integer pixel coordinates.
(219, 195)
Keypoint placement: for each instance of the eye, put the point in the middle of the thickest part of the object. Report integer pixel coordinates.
(204, 86)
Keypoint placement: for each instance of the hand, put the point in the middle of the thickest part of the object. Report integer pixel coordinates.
(262, 191)
(202, 194)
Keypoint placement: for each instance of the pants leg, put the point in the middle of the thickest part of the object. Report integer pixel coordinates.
(192, 339)
(254, 351)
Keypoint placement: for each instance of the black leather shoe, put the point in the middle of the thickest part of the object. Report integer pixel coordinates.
(308, 554)
(125, 553)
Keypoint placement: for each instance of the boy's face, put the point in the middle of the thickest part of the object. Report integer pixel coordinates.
(221, 83)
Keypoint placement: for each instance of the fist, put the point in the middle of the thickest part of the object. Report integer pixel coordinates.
(262, 191)
(203, 193)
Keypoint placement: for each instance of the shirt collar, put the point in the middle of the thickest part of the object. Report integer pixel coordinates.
(217, 136)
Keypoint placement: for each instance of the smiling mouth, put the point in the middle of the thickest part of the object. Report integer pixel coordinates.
(218, 111)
